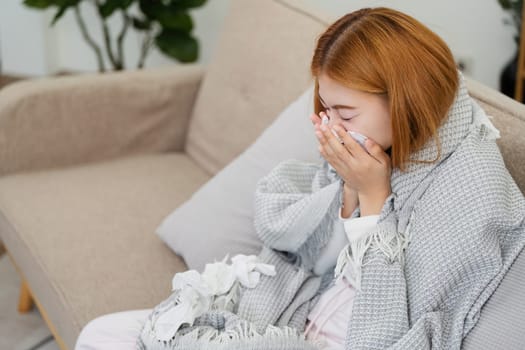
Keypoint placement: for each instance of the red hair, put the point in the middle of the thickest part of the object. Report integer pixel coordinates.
(383, 51)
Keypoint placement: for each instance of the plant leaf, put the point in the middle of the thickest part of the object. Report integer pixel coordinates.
(176, 20)
(187, 4)
(107, 8)
(124, 4)
(179, 45)
(141, 24)
(147, 6)
(150, 7)
(505, 4)
(110, 6)
(39, 4)
(168, 15)
(66, 3)
(59, 14)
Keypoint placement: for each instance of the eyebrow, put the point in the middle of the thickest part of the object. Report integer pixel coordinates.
(336, 106)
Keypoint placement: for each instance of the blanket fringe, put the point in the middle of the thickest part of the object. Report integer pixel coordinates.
(210, 338)
(392, 245)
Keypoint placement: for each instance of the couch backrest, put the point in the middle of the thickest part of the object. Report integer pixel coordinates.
(509, 118)
(261, 64)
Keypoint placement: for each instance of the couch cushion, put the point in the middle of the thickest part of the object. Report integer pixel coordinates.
(509, 117)
(500, 325)
(83, 236)
(227, 199)
(254, 74)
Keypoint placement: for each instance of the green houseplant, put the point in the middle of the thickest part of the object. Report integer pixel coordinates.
(513, 7)
(508, 74)
(165, 24)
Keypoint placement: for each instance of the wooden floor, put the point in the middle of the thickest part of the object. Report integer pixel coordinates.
(19, 331)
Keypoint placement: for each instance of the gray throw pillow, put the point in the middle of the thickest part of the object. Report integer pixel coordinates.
(218, 218)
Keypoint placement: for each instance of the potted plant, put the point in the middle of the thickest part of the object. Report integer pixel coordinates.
(508, 74)
(165, 24)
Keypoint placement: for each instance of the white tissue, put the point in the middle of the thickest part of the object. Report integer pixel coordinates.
(219, 277)
(198, 291)
(360, 138)
(248, 270)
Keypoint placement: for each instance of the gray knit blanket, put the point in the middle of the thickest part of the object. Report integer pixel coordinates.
(445, 238)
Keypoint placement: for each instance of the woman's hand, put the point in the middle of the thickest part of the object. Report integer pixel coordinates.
(350, 195)
(350, 201)
(316, 120)
(368, 174)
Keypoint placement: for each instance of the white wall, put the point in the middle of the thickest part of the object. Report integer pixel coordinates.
(24, 39)
(473, 29)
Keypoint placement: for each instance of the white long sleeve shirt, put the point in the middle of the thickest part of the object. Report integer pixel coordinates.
(329, 319)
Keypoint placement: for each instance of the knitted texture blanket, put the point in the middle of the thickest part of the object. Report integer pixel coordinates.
(445, 238)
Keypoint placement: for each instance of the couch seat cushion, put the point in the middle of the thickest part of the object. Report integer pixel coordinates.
(83, 237)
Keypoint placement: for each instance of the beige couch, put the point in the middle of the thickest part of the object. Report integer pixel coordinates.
(91, 164)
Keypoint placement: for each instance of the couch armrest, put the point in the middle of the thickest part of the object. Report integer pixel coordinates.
(53, 122)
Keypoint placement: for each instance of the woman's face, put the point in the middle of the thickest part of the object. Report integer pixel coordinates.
(355, 110)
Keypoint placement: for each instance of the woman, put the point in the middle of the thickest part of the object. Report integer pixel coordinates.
(393, 244)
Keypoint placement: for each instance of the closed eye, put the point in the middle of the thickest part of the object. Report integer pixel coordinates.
(347, 114)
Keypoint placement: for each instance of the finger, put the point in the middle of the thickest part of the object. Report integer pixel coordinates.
(328, 155)
(350, 143)
(319, 133)
(328, 141)
(315, 119)
(377, 152)
(320, 137)
(321, 150)
(325, 120)
(332, 140)
(327, 150)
